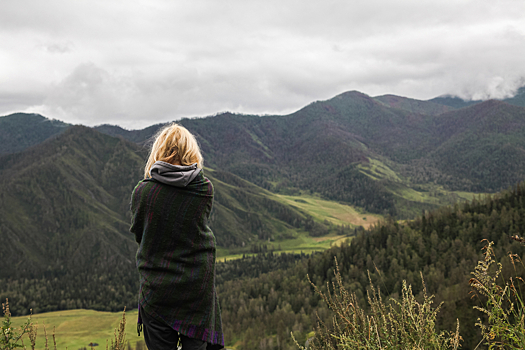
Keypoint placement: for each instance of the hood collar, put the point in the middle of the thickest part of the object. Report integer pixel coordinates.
(174, 175)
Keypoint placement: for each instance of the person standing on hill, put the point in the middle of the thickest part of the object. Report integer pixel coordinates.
(176, 255)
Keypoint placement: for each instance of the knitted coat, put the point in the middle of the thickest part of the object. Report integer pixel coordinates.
(176, 254)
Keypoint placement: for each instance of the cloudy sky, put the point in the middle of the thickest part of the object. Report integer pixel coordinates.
(139, 62)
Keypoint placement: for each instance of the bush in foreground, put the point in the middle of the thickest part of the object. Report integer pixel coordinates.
(502, 304)
(409, 324)
(405, 324)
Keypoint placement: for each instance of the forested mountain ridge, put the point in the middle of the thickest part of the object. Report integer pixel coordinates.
(66, 203)
(387, 154)
(483, 144)
(369, 152)
(21, 130)
(444, 245)
(413, 105)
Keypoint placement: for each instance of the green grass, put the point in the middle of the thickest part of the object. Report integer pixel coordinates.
(428, 193)
(321, 210)
(75, 329)
(336, 213)
(378, 170)
(301, 243)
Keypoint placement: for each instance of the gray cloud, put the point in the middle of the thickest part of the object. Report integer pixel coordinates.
(143, 62)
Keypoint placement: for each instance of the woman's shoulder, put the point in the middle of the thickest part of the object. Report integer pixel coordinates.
(201, 185)
(206, 182)
(142, 184)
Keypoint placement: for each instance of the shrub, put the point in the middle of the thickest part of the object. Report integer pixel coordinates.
(503, 305)
(404, 324)
(11, 337)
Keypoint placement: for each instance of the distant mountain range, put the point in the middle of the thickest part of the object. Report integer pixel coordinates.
(64, 190)
(477, 148)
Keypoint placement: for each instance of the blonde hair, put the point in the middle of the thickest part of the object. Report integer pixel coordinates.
(174, 144)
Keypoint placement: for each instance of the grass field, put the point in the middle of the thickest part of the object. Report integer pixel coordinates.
(320, 210)
(75, 329)
(336, 213)
(302, 244)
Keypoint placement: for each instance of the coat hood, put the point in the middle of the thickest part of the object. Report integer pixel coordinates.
(174, 175)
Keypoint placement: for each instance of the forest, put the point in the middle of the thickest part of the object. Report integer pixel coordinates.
(265, 297)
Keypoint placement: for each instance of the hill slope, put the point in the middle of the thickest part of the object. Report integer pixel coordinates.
(484, 144)
(388, 154)
(66, 203)
(445, 245)
(19, 131)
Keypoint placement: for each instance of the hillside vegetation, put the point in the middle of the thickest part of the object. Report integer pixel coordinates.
(444, 245)
(64, 222)
(265, 297)
(368, 152)
(19, 131)
(303, 181)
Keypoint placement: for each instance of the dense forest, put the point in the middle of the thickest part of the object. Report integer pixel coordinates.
(444, 245)
(64, 207)
(330, 148)
(265, 297)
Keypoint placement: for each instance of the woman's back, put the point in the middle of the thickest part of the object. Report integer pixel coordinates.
(177, 250)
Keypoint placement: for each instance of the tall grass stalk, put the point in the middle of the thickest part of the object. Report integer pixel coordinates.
(503, 304)
(404, 324)
(12, 337)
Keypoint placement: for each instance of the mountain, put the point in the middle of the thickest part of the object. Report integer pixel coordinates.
(387, 154)
(415, 106)
(137, 136)
(453, 101)
(379, 153)
(518, 99)
(484, 144)
(21, 130)
(66, 202)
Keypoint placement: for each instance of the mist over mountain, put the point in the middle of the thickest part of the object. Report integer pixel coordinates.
(455, 102)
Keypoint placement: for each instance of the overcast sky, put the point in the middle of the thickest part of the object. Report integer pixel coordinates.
(139, 62)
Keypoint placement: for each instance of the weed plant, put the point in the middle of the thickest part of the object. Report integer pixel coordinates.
(404, 324)
(504, 327)
(12, 337)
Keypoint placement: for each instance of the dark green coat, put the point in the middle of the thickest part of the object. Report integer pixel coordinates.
(176, 256)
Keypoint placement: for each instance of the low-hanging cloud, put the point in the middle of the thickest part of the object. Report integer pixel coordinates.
(135, 64)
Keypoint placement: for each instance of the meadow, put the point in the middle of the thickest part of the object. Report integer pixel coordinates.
(76, 329)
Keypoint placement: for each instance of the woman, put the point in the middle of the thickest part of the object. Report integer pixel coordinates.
(176, 255)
